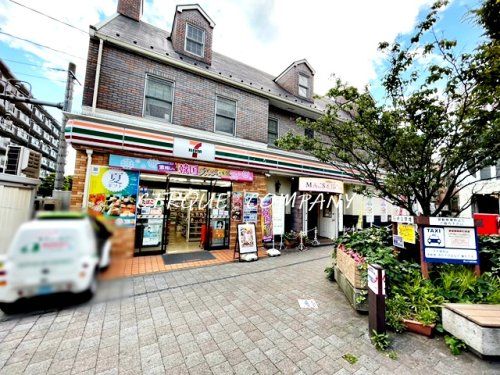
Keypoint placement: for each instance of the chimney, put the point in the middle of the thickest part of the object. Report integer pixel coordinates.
(130, 8)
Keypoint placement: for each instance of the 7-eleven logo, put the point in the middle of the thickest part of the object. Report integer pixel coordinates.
(195, 148)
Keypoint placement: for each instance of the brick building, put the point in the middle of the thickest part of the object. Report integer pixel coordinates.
(28, 125)
(164, 108)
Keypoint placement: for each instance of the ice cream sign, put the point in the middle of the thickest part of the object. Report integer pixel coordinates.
(450, 245)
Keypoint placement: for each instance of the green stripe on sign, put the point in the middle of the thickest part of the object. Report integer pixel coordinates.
(149, 141)
(97, 133)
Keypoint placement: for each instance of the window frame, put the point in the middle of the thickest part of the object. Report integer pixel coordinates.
(168, 81)
(235, 115)
(309, 130)
(194, 41)
(277, 129)
(307, 88)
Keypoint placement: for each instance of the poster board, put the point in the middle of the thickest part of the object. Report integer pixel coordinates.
(407, 232)
(250, 207)
(446, 244)
(247, 240)
(113, 194)
(278, 215)
(267, 218)
(236, 205)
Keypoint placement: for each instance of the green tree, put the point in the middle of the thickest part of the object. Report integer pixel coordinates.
(47, 186)
(439, 120)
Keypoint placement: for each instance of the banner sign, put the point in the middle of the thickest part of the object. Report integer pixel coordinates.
(185, 148)
(278, 214)
(246, 238)
(452, 221)
(267, 218)
(185, 169)
(450, 245)
(325, 185)
(236, 205)
(113, 194)
(407, 232)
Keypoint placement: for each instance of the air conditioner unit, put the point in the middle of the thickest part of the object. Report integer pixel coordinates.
(4, 147)
(22, 161)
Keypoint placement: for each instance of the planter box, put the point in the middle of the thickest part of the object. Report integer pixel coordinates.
(358, 298)
(349, 268)
(477, 325)
(417, 327)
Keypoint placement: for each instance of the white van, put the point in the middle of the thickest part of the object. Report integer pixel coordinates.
(57, 252)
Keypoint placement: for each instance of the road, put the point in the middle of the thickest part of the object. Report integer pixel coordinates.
(239, 318)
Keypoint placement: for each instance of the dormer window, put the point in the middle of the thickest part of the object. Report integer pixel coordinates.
(303, 85)
(195, 40)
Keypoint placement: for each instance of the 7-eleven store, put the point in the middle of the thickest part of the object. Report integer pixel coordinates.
(174, 162)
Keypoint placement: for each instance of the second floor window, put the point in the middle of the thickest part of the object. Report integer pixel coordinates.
(195, 40)
(303, 86)
(225, 115)
(272, 131)
(309, 133)
(158, 100)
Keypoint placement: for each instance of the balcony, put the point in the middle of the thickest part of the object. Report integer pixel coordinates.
(53, 154)
(45, 148)
(7, 126)
(36, 128)
(54, 141)
(35, 142)
(43, 173)
(45, 162)
(23, 135)
(25, 120)
(46, 136)
(52, 165)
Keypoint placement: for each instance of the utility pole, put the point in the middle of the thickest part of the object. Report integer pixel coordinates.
(61, 155)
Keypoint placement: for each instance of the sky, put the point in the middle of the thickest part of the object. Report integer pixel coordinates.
(338, 38)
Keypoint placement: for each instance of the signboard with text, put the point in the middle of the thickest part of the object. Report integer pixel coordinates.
(407, 232)
(185, 148)
(446, 244)
(325, 185)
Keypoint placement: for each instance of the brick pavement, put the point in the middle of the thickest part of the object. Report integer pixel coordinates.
(234, 318)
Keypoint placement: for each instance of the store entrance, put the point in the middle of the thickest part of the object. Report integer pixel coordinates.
(181, 215)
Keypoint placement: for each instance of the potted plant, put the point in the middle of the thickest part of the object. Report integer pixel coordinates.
(423, 323)
(290, 239)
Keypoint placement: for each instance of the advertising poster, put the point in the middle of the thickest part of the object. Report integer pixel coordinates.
(113, 194)
(278, 213)
(250, 207)
(267, 218)
(407, 232)
(236, 205)
(246, 238)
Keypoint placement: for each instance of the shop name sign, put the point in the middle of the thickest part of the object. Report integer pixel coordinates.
(185, 169)
(321, 185)
(185, 148)
(450, 245)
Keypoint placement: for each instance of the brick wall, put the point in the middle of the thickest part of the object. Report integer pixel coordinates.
(193, 17)
(122, 84)
(130, 8)
(290, 80)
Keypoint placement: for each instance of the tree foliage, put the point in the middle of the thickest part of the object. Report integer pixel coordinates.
(439, 121)
(47, 186)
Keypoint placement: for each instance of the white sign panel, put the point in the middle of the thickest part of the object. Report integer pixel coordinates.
(325, 185)
(452, 221)
(278, 213)
(370, 218)
(402, 219)
(460, 238)
(461, 255)
(398, 241)
(196, 150)
(373, 280)
(434, 237)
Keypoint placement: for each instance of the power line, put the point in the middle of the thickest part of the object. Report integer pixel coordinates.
(41, 45)
(50, 17)
(35, 76)
(35, 65)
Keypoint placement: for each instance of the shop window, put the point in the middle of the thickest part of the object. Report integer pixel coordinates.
(272, 131)
(225, 115)
(158, 99)
(303, 85)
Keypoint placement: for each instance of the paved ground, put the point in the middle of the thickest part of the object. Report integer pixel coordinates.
(232, 318)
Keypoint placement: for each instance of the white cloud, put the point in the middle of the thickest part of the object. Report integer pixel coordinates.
(336, 37)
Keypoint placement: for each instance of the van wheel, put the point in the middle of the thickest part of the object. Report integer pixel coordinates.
(9, 308)
(90, 292)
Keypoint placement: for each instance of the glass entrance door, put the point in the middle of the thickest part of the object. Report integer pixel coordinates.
(219, 210)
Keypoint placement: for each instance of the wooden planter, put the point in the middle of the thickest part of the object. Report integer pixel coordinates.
(349, 269)
(417, 327)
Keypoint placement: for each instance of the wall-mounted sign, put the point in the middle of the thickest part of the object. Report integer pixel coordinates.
(185, 148)
(113, 194)
(452, 221)
(247, 240)
(407, 232)
(402, 219)
(397, 241)
(450, 245)
(325, 185)
(185, 169)
(236, 205)
(250, 207)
